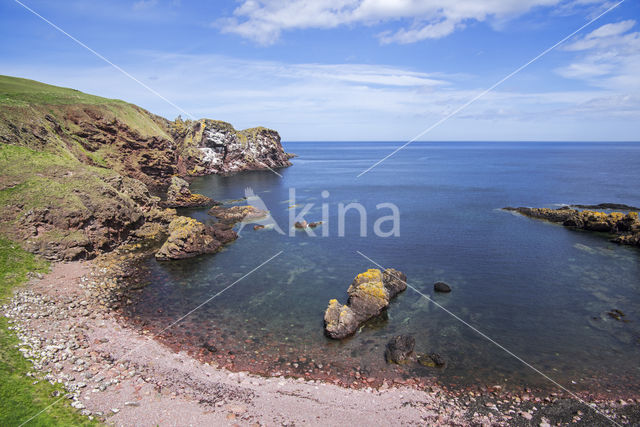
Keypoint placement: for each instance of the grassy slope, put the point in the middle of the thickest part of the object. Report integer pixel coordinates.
(26, 104)
(20, 398)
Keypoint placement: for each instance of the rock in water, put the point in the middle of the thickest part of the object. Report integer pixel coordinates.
(237, 213)
(179, 195)
(441, 287)
(400, 349)
(339, 320)
(301, 224)
(626, 227)
(187, 238)
(395, 281)
(369, 296)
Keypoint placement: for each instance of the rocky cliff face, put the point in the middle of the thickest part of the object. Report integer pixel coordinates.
(214, 147)
(76, 170)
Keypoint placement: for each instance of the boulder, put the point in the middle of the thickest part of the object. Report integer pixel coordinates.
(400, 349)
(188, 238)
(179, 195)
(431, 360)
(441, 287)
(339, 320)
(394, 281)
(223, 233)
(301, 224)
(369, 296)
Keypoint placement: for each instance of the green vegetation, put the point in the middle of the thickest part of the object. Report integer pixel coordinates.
(21, 399)
(15, 91)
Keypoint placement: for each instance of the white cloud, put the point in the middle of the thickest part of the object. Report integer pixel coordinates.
(348, 101)
(264, 20)
(608, 57)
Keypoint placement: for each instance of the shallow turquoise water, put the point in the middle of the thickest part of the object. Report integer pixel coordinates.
(538, 289)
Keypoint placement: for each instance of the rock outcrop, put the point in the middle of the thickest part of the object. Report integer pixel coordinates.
(214, 147)
(626, 227)
(369, 296)
(179, 195)
(188, 238)
(233, 214)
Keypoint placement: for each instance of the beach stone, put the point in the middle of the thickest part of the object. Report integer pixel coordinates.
(400, 349)
(441, 287)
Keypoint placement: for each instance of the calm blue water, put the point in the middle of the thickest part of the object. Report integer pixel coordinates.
(538, 289)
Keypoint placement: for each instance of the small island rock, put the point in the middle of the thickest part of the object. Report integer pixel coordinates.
(441, 287)
(369, 296)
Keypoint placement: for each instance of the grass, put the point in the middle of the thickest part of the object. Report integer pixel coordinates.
(16, 91)
(21, 399)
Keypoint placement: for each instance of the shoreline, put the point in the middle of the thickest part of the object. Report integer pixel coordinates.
(118, 374)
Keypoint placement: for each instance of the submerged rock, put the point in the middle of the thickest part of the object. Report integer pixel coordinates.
(441, 287)
(400, 349)
(179, 195)
(188, 238)
(369, 296)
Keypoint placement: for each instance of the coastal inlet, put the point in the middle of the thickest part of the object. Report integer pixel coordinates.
(541, 290)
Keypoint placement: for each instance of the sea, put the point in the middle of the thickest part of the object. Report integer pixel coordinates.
(530, 299)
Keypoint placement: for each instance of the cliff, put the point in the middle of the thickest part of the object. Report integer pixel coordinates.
(79, 171)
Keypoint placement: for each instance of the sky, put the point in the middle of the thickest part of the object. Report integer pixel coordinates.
(338, 70)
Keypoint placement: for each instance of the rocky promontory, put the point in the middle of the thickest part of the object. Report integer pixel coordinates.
(624, 226)
(82, 174)
(369, 296)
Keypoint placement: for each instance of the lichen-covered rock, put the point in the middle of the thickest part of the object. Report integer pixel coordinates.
(369, 295)
(625, 226)
(233, 214)
(187, 238)
(400, 349)
(339, 320)
(179, 195)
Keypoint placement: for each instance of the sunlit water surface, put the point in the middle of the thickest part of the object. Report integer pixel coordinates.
(540, 290)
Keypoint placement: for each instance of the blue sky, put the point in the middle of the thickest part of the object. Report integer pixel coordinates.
(348, 69)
